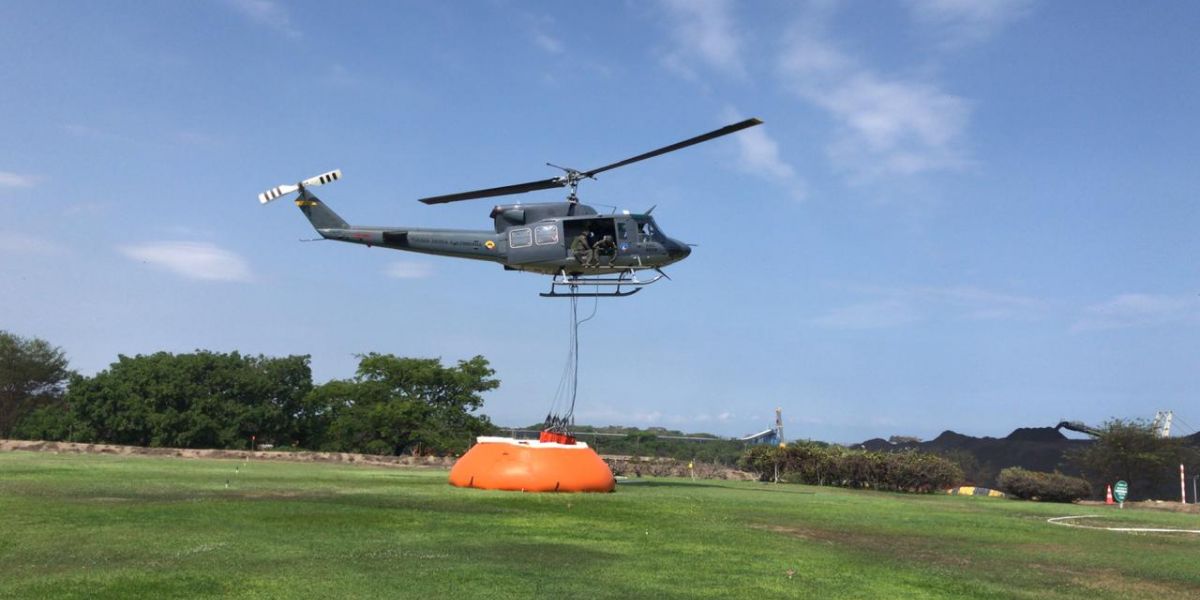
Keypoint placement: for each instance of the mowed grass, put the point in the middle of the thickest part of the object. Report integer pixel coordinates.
(99, 526)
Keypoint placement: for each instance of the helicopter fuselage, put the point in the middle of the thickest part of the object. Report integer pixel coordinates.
(537, 238)
(568, 240)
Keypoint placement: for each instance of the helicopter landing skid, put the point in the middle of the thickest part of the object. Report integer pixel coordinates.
(572, 283)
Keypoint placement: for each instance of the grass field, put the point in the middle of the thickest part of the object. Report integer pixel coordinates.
(123, 527)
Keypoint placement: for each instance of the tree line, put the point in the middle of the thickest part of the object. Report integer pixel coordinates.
(817, 463)
(392, 405)
(1124, 450)
(396, 405)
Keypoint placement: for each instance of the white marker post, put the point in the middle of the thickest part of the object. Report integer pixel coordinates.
(1182, 486)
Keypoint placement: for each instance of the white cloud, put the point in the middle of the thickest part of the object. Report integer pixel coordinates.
(80, 130)
(703, 30)
(609, 414)
(87, 209)
(16, 180)
(960, 22)
(408, 270)
(339, 75)
(193, 260)
(1138, 310)
(268, 13)
(887, 125)
(758, 154)
(195, 138)
(977, 303)
(896, 306)
(717, 418)
(548, 42)
(14, 242)
(868, 315)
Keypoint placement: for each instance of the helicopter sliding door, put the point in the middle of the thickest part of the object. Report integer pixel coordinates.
(538, 243)
(596, 229)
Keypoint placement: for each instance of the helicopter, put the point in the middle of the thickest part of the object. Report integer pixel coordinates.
(571, 241)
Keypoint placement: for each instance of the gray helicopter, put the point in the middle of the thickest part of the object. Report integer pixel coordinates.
(570, 241)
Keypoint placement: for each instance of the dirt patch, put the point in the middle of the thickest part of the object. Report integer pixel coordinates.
(905, 548)
(326, 457)
(1110, 582)
(1113, 583)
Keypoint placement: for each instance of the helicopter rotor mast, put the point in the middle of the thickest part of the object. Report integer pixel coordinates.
(572, 177)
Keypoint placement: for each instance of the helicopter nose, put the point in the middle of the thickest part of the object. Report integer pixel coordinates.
(678, 250)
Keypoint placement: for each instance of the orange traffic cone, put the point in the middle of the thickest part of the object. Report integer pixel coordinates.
(1108, 499)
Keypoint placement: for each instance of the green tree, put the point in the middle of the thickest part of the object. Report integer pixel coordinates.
(197, 400)
(33, 375)
(397, 405)
(1130, 450)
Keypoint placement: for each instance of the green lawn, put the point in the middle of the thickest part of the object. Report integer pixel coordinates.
(109, 527)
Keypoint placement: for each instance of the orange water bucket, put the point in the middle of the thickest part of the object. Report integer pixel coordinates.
(497, 463)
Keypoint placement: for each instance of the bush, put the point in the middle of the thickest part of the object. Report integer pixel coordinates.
(1047, 487)
(819, 464)
(760, 460)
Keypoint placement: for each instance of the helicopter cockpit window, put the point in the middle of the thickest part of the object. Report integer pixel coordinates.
(545, 234)
(520, 238)
(648, 230)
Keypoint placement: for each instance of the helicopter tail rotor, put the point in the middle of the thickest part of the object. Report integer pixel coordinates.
(283, 190)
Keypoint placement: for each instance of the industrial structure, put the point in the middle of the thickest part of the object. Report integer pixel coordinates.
(774, 435)
(1161, 425)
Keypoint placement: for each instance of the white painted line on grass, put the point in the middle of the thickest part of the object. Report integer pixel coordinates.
(1063, 521)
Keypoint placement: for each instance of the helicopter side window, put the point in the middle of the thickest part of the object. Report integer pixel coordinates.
(622, 230)
(520, 238)
(545, 234)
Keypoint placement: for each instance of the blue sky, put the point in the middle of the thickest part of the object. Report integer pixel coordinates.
(966, 215)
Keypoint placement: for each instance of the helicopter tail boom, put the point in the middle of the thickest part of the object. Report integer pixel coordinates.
(321, 216)
(318, 214)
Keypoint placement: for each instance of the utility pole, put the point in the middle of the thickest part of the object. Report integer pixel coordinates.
(779, 437)
(1162, 423)
(779, 426)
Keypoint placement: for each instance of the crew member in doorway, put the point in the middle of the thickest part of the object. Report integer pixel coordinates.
(582, 249)
(606, 250)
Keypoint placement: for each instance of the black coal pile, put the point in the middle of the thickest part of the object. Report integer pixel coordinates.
(982, 458)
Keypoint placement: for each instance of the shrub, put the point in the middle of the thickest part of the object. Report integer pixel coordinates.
(760, 460)
(1047, 487)
(819, 464)
(913, 471)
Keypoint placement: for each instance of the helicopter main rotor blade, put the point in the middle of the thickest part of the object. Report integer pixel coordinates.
(572, 177)
(520, 188)
(728, 129)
